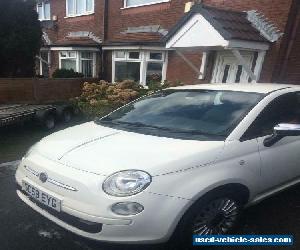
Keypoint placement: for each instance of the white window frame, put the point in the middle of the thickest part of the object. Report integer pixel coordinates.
(145, 4)
(79, 60)
(144, 59)
(75, 9)
(43, 10)
(41, 62)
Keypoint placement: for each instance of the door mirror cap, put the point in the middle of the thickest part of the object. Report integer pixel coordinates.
(280, 131)
(287, 129)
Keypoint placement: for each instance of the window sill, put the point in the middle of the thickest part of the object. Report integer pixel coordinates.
(145, 5)
(44, 20)
(86, 14)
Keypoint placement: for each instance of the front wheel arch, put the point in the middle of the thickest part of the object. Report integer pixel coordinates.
(237, 191)
(240, 191)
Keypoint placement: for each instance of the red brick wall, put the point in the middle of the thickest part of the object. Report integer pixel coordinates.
(92, 23)
(290, 72)
(35, 90)
(164, 14)
(167, 14)
(277, 11)
(178, 70)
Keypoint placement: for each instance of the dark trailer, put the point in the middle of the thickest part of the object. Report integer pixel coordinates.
(46, 115)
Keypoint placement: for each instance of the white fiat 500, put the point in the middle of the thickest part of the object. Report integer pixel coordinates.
(182, 161)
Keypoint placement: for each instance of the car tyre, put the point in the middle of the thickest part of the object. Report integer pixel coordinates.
(214, 214)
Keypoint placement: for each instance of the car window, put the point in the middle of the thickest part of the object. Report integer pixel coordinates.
(283, 109)
(187, 114)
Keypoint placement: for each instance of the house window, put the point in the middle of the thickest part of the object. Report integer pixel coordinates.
(135, 3)
(79, 7)
(154, 72)
(134, 55)
(80, 61)
(127, 70)
(140, 66)
(43, 9)
(87, 63)
(68, 60)
(155, 56)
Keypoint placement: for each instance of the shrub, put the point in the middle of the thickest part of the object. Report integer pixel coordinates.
(98, 99)
(66, 73)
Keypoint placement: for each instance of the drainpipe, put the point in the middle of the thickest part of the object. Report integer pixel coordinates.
(105, 19)
(105, 29)
(292, 38)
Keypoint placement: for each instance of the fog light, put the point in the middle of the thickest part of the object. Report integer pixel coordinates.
(127, 208)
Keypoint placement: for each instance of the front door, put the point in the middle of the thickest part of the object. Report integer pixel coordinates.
(228, 70)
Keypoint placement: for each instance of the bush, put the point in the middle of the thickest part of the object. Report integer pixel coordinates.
(99, 99)
(66, 73)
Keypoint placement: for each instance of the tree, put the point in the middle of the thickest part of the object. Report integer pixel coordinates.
(20, 38)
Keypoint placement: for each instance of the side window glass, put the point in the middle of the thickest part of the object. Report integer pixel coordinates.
(284, 109)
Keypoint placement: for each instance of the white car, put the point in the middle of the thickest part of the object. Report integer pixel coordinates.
(182, 161)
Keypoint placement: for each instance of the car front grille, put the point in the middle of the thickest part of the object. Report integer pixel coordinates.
(86, 226)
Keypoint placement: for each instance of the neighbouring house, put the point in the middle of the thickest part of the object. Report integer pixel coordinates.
(72, 36)
(176, 40)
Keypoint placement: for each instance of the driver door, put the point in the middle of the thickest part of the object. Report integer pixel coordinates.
(280, 163)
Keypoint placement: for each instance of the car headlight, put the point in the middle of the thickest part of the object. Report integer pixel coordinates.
(126, 183)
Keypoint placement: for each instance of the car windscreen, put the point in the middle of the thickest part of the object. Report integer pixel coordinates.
(184, 114)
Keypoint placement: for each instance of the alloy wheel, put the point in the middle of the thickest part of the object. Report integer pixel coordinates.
(217, 217)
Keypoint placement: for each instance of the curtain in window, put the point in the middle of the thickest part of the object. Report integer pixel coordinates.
(87, 68)
(127, 70)
(68, 64)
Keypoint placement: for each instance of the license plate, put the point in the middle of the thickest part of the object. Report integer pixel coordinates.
(42, 197)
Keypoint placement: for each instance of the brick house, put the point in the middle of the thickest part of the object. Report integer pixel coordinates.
(72, 36)
(176, 40)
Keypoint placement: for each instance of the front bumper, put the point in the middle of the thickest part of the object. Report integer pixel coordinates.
(87, 211)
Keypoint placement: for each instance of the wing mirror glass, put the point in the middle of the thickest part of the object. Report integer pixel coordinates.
(280, 131)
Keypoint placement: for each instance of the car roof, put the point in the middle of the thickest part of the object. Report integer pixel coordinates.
(263, 88)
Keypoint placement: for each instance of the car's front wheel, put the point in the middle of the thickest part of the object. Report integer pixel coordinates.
(214, 214)
(216, 217)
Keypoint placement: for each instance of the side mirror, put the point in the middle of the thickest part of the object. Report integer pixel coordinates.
(280, 131)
